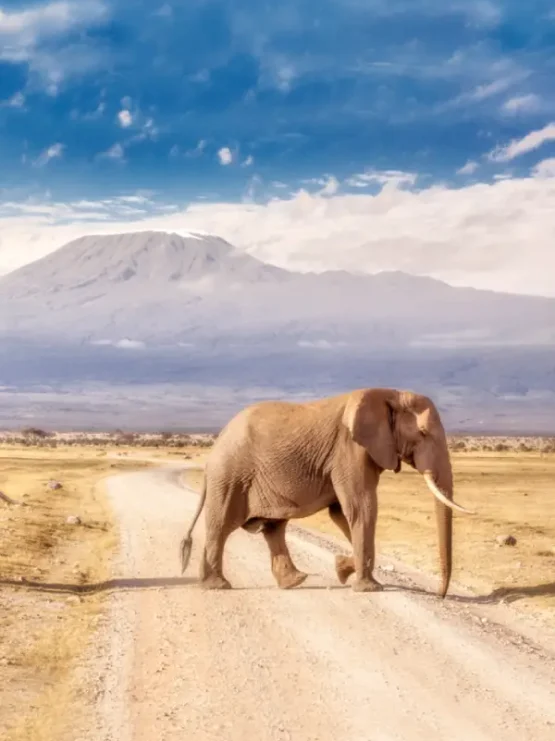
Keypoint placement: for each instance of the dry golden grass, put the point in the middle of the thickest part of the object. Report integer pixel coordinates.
(43, 630)
(512, 493)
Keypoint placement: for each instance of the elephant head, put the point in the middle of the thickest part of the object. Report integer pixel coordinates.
(400, 426)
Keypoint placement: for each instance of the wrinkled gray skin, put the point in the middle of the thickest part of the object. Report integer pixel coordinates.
(276, 461)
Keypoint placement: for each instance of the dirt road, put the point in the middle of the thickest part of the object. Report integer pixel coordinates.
(317, 663)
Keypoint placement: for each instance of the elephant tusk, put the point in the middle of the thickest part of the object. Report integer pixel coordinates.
(438, 494)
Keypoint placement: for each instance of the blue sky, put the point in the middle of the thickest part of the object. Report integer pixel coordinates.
(301, 87)
(246, 100)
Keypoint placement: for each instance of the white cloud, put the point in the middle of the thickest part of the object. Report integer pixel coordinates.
(320, 344)
(248, 162)
(522, 104)
(127, 344)
(137, 198)
(545, 169)
(148, 130)
(125, 118)
(488, 90)
(44, 21)
(116, 152)
(225, 156)
(468, 169)
(124, 344)
(198, 150)
(51, 153)
(253, 187)
(528, 143)
(331, 186)
(487, 235)
(277, 70)
(90, 115)
(16, 101)
(26, 37)
(284, 75)
(385, 178)
(483, 91)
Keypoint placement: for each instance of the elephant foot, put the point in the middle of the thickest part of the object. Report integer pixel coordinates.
(215, 582)
(367, 585)
(344, 567)
(285, 572)
(290, 580)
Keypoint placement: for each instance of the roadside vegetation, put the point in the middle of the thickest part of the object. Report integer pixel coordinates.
(57, 536)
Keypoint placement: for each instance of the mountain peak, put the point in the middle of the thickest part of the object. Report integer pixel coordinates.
(142, 259)
(159, 287)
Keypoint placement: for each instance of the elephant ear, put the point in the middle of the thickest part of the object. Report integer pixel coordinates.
(369, 417)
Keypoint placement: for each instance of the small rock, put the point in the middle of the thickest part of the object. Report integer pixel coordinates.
(54, 485)
(505, 540)
(73, 520)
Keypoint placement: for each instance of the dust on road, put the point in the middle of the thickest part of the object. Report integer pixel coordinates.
(316, 663)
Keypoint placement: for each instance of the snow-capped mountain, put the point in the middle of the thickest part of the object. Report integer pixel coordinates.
(162, 288)
(203, 324)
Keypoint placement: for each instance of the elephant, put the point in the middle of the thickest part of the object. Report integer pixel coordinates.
(281, 460)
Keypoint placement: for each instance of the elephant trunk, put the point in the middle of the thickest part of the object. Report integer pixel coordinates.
(444, 518)
(441, 487)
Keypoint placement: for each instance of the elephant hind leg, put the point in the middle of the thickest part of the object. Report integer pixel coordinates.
(344, 565)
(284, 570)
(211, 566)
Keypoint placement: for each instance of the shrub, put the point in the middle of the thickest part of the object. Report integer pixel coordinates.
(35, 432)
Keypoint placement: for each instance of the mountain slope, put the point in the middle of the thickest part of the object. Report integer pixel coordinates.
(162, 288)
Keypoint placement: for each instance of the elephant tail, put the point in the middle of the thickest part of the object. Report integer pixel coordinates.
(187, 542)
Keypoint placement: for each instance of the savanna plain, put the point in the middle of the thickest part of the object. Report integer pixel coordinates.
(61, 542)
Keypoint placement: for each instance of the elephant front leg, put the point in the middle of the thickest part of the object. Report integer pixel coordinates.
(361, 517)
(284, 570)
